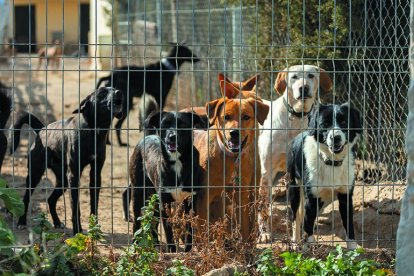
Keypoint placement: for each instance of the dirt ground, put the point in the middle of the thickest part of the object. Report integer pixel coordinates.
(54, 95)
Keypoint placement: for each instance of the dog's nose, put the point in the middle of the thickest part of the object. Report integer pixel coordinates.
(172, 136)
(337, 139)
(234, 133)
(304, 91)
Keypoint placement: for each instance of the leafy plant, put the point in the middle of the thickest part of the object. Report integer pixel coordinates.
(85, 248)
(337, 262)
(139, 258)
(179, 269)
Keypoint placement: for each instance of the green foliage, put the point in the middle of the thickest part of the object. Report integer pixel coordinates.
(337, 262)
(295, 32)
(265, 263)
(11, 199)
(179, 269)
(14, 205)
(140, 257)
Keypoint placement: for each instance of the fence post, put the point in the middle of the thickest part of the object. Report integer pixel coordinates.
(405, 241)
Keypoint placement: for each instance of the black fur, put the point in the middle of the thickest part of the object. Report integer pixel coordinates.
(321, 121)
(5, 110)
(154, 170)
(82, 143)
(154, 79)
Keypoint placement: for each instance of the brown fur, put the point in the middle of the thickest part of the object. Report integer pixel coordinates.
(52, 55)
(219, 169)
(247, 89)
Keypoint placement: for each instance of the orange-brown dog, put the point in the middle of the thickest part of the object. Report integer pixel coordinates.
(228, 156)
(247, 89)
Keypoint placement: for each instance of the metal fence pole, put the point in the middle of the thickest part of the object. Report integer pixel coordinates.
(405, 243)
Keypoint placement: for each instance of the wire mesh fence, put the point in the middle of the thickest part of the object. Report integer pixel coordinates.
(362, 45)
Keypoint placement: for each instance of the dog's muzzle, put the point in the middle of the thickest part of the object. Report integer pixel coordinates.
(234, 144)
(170, 142)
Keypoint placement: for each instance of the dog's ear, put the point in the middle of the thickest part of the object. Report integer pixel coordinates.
(325, 81)
(354, 118)
(312, 120)
(84, 105)
(281, 84)
(153, 120)
(212, 109)
(261, 110)
(198, 122)
(250, 84)
(228, 89)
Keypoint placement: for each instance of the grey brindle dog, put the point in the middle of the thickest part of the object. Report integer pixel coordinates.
(67, 147)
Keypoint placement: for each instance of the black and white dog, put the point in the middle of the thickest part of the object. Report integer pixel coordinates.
(320, 166)
(167, 164)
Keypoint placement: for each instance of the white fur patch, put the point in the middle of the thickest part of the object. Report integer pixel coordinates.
(327, 181)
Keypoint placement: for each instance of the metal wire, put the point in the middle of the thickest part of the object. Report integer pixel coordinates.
(227, 37)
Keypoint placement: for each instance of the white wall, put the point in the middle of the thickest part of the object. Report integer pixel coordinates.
(97, 34)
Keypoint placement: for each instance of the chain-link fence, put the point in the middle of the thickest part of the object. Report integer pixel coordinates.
(363, 45)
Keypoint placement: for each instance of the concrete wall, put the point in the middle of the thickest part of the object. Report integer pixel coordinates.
(405, 240)
(54, 16)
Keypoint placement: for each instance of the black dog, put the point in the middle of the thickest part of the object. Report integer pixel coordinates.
(67, 146)
(5, 110)
(154, 79)
(166, 164)
(320, 165)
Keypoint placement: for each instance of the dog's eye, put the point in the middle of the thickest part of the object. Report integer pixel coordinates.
(227, 117)
(311, 76)
(245, 117)
(295, 77)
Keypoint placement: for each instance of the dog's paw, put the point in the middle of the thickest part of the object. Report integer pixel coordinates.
(264, 237)
(60, 225)
(351, 245)
(21, 226)
(128, 219)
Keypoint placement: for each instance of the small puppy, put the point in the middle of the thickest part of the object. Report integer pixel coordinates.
(166, 164)
(320, 167)
(67, 147)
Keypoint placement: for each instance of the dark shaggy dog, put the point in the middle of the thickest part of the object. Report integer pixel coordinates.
(154, 79)
(67, 147)
(5, 110)
(320, 167)
(166, 164)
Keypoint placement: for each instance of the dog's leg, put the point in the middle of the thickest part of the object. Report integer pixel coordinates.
(167, 227)
(296, 199)
(73, 182)
(95, 181)
(346, 210)
(312, 207)
(118, 126)
(3, 147)
(188, 238)
(61, 186)
(36, 166)
(247, 220)
(126, 200)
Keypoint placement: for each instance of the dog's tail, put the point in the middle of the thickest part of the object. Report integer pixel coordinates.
(147, 106)
(24, 118)
(101, 80)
